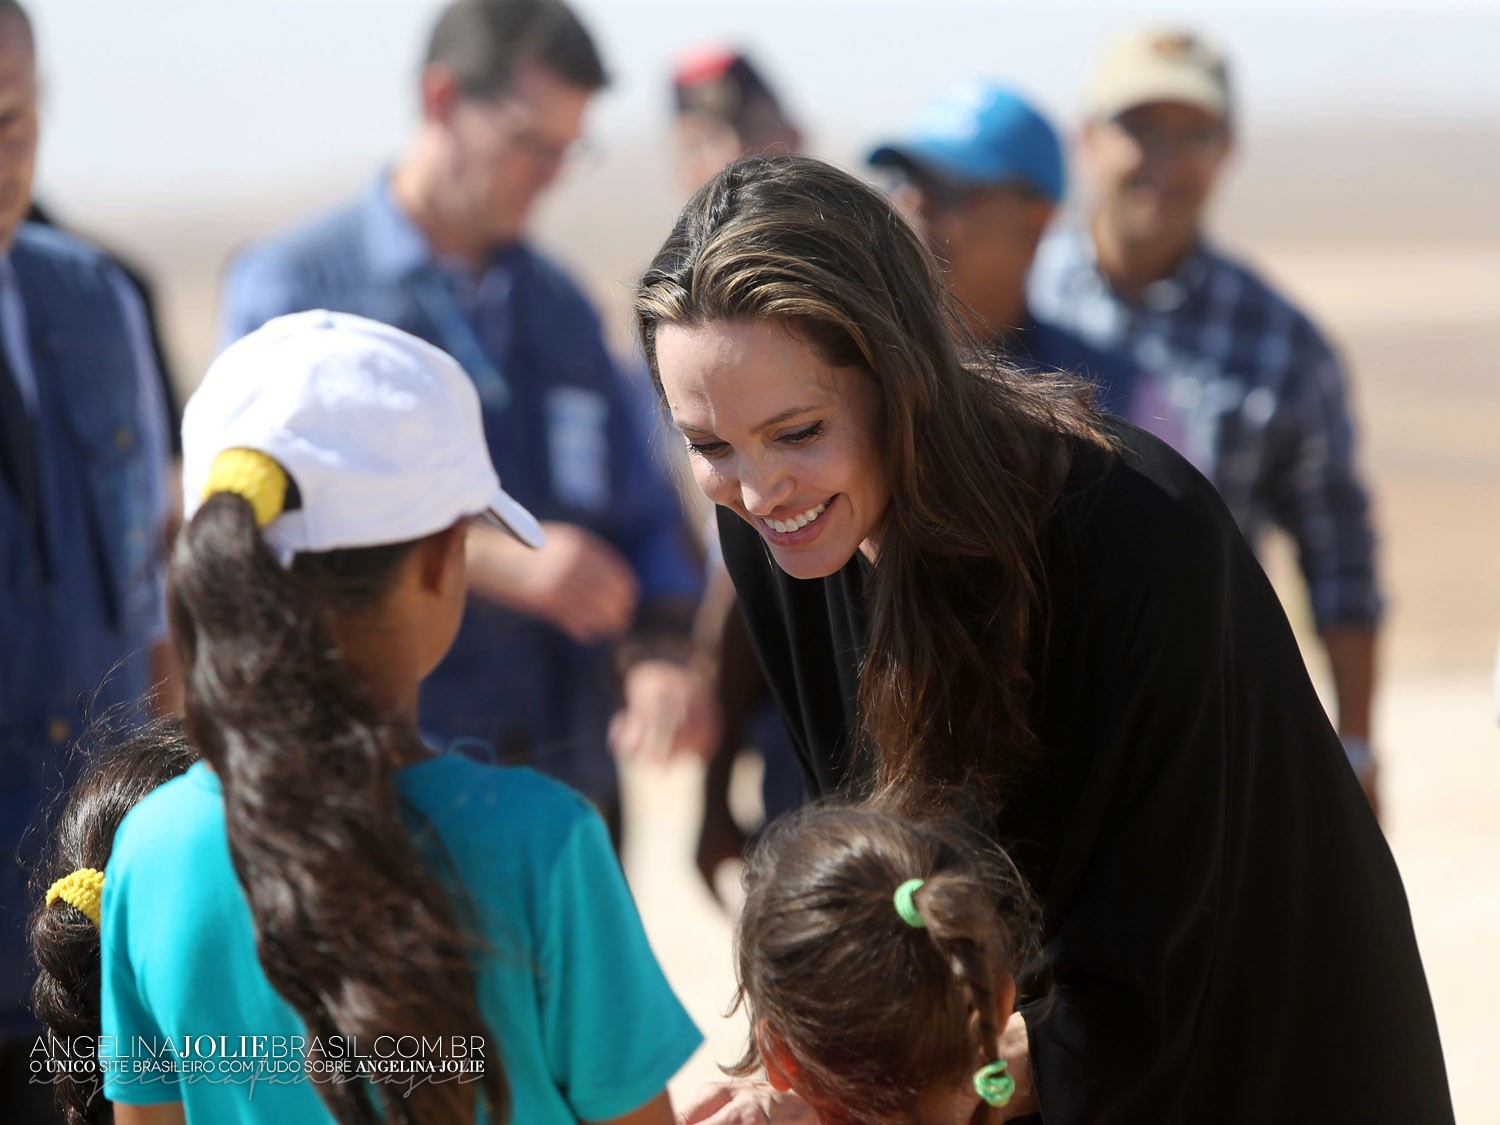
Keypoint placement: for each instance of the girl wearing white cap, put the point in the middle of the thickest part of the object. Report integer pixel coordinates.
(326, 921)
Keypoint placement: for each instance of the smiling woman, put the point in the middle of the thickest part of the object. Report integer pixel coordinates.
(972, 593)
(763, 329)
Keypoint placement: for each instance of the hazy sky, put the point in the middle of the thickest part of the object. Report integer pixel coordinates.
(167, 101)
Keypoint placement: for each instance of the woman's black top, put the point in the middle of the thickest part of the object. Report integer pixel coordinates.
(1227, 933)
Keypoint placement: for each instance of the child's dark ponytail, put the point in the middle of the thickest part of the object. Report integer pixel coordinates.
(65, 940)
(960, 922)
(959, 919)
(352, 928)
(875, 1005)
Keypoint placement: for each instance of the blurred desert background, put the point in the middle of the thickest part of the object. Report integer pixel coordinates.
(1367, 184)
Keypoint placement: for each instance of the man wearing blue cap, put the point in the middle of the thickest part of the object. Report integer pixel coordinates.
(980, 176)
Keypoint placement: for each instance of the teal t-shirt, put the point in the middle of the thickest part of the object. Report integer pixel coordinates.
(586, 1024)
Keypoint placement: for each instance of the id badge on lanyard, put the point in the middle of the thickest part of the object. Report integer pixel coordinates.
(459, 340)
(578, 447)
(576, 419)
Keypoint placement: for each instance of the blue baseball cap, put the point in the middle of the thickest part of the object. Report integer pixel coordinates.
(981, 132)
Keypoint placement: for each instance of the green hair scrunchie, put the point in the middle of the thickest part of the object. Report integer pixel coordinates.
(993, 1084)
(906, 907)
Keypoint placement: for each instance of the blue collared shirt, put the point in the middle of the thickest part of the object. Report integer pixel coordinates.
(1248, 390)
(565, 433)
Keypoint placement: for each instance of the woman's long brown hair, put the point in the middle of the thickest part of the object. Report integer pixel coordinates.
(974, 449)
(352, 928)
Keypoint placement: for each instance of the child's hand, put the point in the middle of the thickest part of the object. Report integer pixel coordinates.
(669, 710)
(577, 581)
(745, 1103)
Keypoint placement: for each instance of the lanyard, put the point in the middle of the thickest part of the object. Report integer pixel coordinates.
(458, 338)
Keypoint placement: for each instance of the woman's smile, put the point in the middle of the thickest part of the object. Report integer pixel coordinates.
(794, 523)
(799, 531)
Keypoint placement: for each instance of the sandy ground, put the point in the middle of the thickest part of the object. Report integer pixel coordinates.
(1392, 241)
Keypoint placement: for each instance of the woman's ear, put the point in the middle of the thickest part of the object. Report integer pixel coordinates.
(781, 1068)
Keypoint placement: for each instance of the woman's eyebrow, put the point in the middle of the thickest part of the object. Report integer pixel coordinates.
(783, 416)
(775, 420)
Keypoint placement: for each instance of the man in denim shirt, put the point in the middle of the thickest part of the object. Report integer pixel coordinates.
(1249, 390)
(437, 248)
(83, 454)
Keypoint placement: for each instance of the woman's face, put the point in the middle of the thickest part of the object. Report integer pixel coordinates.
(787, 441)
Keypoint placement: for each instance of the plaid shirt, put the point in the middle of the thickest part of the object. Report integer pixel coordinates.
(1249, 391)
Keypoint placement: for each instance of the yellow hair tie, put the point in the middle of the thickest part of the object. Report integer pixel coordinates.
(253, 475)
(80, 889)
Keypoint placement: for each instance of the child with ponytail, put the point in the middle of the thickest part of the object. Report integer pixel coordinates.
(325, 921)
(877, 961)
(64, 930)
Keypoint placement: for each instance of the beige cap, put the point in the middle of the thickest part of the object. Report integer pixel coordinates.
(1159, 64)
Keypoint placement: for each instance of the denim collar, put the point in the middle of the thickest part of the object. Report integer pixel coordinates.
(397, 246)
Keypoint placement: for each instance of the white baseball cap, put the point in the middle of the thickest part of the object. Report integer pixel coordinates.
(380, 432)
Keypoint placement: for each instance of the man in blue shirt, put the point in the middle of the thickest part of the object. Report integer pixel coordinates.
(437, 247)
(980, 176)
(1253, 394)
(82, 500)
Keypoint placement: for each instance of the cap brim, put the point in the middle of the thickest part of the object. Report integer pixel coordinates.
(918, 158)
(1171, 88)
(503, 512)
(885, 156)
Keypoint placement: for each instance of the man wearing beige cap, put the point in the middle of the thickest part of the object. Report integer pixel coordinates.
(1250, 391)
